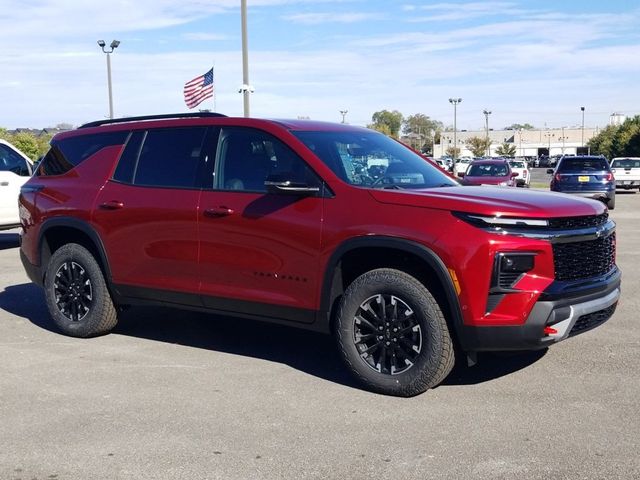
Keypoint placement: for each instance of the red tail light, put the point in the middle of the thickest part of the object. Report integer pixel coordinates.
(558, 177)
(608, 177)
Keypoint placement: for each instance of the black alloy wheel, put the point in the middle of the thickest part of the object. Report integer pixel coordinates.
(73, 291)
(387, 334)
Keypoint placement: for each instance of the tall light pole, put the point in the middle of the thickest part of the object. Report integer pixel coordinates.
(582, 142)
(455, 102)
(344, 114)
(521, 152)
(563, 139)
(112, 47)
(246, 89)
(486, 126)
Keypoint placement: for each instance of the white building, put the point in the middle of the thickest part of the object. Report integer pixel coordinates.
(528, 143)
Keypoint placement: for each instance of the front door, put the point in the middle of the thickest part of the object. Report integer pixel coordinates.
(259, 251)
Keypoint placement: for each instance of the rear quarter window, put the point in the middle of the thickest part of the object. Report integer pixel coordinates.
(70, 152)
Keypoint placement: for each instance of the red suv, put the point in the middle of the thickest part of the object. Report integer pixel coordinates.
(322, 226)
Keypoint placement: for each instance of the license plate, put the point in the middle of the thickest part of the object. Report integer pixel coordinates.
(627, 182)
(583, 179)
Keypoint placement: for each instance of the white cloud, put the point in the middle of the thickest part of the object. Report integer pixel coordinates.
(318, 18)
(204, 37)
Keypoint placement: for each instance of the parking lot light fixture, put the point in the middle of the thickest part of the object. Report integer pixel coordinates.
(455, 102)
(486, 124)
(582, 141)
(114, 44)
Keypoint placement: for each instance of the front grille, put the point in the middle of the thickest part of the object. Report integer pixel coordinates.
(592, 320)
(591, 258)
(578, 222)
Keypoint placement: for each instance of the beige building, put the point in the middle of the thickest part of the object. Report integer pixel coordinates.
(528, 143)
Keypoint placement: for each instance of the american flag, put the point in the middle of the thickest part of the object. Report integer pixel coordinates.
(198, 89)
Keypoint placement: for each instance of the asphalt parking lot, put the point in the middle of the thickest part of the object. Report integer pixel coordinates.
(173, 395)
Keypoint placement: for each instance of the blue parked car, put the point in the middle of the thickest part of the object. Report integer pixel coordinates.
(585, 175)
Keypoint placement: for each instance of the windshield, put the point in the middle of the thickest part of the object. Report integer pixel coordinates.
(371, 159)
(488, 170)
(626, 163)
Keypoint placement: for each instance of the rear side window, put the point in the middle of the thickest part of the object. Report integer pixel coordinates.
(70, 152)
(167, 158)
(577, 164)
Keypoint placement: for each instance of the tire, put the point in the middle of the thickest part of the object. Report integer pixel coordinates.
(611, 203)
(73, 272)
(421, 339)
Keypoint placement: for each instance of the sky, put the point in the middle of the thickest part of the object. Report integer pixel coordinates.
(531, 62)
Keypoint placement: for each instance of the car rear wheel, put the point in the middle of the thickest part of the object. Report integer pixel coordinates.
(76, 293)
(611, 203)
(392, 334)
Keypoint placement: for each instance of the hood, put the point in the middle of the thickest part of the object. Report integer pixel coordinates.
(514, 202)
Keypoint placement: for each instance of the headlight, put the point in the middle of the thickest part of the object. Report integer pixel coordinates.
(497, 221)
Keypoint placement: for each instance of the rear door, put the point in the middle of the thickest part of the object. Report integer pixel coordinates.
(14, 172)
(147, 214)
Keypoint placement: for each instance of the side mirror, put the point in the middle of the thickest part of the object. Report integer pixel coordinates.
(550, 171)
(461, 174)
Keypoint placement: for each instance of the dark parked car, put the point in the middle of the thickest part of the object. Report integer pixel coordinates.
(490, 172)
(586, 176)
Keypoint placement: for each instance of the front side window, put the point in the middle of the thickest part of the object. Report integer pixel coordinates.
(10, 161)
(247, 157)
(373, 160)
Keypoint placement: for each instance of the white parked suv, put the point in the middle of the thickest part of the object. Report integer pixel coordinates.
(626, 171)
(15, 170)
(524, 176)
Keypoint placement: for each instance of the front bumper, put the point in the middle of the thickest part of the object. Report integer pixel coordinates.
(568, 314)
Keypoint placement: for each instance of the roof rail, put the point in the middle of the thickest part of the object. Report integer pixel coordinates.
(151, 117)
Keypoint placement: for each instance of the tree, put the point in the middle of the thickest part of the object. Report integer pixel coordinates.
(453, 152)
(506, 150)
(618, 140)
(423, 127)
(518, 126)
(387, 122)
(478, 145)
(26, 143)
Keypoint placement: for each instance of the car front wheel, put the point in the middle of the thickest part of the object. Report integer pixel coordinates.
(392, 334)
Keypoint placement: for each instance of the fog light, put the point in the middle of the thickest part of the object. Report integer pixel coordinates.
(511, 263)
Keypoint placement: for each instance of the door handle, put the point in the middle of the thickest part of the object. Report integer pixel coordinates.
(218, 212)
(112, 205)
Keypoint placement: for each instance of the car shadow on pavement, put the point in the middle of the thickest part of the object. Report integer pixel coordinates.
(313, 353)
(9, 240)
